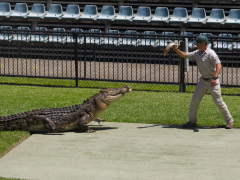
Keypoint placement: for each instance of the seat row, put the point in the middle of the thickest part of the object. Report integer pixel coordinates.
(90, 12)
(112, 37)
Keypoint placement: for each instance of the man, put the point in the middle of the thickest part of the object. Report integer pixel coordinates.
(209, 67)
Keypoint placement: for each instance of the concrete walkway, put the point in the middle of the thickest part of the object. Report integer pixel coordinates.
(127, 151)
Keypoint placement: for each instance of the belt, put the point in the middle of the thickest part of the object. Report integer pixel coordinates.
(206, 79)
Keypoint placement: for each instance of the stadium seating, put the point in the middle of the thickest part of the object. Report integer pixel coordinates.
(20, 11)
(128, 39)
(233, 17)
(40, 36)
(80, 37)
(198, 16)
(180, 15)
(37, 12)
(90, 12)
(237, 44)
(125, 14)
(93, 37)
(111, 38)
(161, 15)
(149, 39)
(164, 40)
(58, 37)
(23, 34)
(5, 35)
(5, 10)
(217, 16)
(224, 43)
(72, 12)
(143, 14)
(107, 13)
(118, 16)
(55, 12)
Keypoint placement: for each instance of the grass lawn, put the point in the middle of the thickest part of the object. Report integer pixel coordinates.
(136, 107)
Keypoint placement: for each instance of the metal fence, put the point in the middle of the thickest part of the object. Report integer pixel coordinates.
(93, 59)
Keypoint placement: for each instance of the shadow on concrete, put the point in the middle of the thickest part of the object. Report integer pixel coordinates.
(154, 125)
(101, 127)
(93, 127)
(194, 129)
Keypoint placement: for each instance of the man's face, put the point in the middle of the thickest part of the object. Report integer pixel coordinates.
(201, 46)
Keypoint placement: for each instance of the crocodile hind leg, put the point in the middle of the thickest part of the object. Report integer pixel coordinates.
(47, 123)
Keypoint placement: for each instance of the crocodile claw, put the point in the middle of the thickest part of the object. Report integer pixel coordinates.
(99, 120)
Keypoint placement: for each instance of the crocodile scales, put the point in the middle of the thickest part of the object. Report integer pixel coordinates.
(67, 118)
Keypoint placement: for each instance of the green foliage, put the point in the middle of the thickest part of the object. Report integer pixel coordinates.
(10, 138)
(136, 107)
(104, 84)
(2, 178)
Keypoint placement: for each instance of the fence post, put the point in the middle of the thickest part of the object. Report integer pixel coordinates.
(85, 58)
(76, 57)
(182, 85)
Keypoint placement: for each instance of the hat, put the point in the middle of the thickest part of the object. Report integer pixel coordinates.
(201, 39)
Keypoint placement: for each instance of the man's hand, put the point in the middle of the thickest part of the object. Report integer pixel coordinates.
(213, 83)
(179, 52)
(175, 47)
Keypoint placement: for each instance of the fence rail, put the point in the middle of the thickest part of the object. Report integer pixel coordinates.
(108, 57)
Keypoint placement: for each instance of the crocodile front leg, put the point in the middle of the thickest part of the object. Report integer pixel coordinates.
(82, 123)
(99, 120)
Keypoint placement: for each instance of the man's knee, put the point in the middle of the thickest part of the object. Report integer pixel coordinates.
(219, 102)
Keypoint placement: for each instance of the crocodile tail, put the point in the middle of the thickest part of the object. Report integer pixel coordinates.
(13, 122)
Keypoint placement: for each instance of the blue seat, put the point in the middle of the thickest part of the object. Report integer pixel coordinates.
(161, 15)
(94, 37)
(237, 44)
(37, 12)
(125, 14)
(198, 16)
(55, 12)
(143, 14)
(80, 37)
(23, 34)
(111, 38)
(5, 33)
(72, 12)
(217, 16)
(90, 12)
(130, 38)
(150, 39)
(180, 15)
(20, 11)
(58, 36)
(40, 36)
(166, 36)
(233, 17)
(207, 35)
(5, 10)
(224, 43)
(107, 13)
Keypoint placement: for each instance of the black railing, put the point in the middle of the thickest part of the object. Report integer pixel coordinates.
(91, 59)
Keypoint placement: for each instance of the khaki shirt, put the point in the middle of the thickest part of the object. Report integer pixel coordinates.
(206, 61)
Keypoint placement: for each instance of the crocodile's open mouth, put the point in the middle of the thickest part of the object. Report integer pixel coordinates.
(117, 93)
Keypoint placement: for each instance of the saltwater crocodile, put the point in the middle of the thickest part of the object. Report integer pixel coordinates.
(67, 118)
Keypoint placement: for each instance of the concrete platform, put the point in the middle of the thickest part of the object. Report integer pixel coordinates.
(127, 151)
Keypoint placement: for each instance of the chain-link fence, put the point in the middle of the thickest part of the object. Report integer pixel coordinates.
(94, 59)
